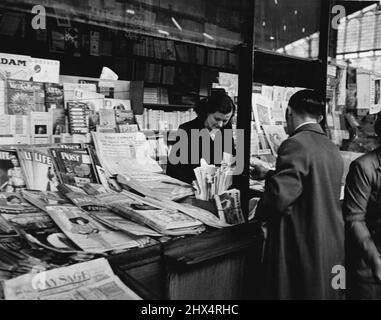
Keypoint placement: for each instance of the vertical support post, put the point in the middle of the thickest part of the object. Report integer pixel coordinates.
(245, 82)
(325, 15)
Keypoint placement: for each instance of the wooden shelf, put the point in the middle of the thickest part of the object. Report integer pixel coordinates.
(227, 69)
(163, 105)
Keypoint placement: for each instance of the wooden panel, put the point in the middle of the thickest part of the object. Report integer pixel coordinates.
(217, 279)
(218, 265)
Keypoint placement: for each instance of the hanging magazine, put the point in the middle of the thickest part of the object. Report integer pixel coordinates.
(275, 135)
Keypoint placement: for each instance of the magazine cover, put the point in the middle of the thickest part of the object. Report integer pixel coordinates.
(107, 118)
(117, 104)
(42, 199)
(262, 110)
(44, 170)
(6, 229)
(77, 113)
(54, 96)
(74, 166)
(45, 70)
(40, 123)
(15, 66)
(229, 206)
(26, 162)
(25, 96)
(88, 234)
(19, 124)
(40, 229)
(11, 174)
(275, 136)
(12, 202)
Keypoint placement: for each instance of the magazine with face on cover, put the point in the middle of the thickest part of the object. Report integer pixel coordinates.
(26, 161)
(38, 228)
(13, 202)
(12, 176)
(86, 233)
(43, 169)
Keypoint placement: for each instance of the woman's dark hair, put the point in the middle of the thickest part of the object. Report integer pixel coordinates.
(307, 102)
(377, 125)
(218, 101)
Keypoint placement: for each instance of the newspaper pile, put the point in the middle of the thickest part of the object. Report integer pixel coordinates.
(122, 153)
(87, 233)
(92, 280)
(156, 185)
(212, 180)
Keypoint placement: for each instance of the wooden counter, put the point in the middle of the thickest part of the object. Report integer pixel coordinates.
(217, 264)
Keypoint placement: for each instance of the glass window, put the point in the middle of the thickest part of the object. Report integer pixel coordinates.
(215, 23)
(289, 27)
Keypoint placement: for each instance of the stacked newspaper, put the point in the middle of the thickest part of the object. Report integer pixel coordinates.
(156, 185)
(92, 280)
(97, 208)
(206, 217)
(88, 234)
(124, 153)
(18, 257)
(163, 220)
(14, 203)
(212, 180)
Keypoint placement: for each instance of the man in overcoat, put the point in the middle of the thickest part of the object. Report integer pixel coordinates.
(304, 246)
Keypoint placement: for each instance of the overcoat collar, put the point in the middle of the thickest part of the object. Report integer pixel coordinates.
(314, 127)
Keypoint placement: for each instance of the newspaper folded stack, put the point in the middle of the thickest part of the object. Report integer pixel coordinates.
(87, 233)
(156, 185)
(212, 180)
(92, 280)
(164, 220)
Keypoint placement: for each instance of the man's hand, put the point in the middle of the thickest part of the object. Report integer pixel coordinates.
(259, 168)
(376, 268)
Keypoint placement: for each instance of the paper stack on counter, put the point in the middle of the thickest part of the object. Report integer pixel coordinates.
(212, 180)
